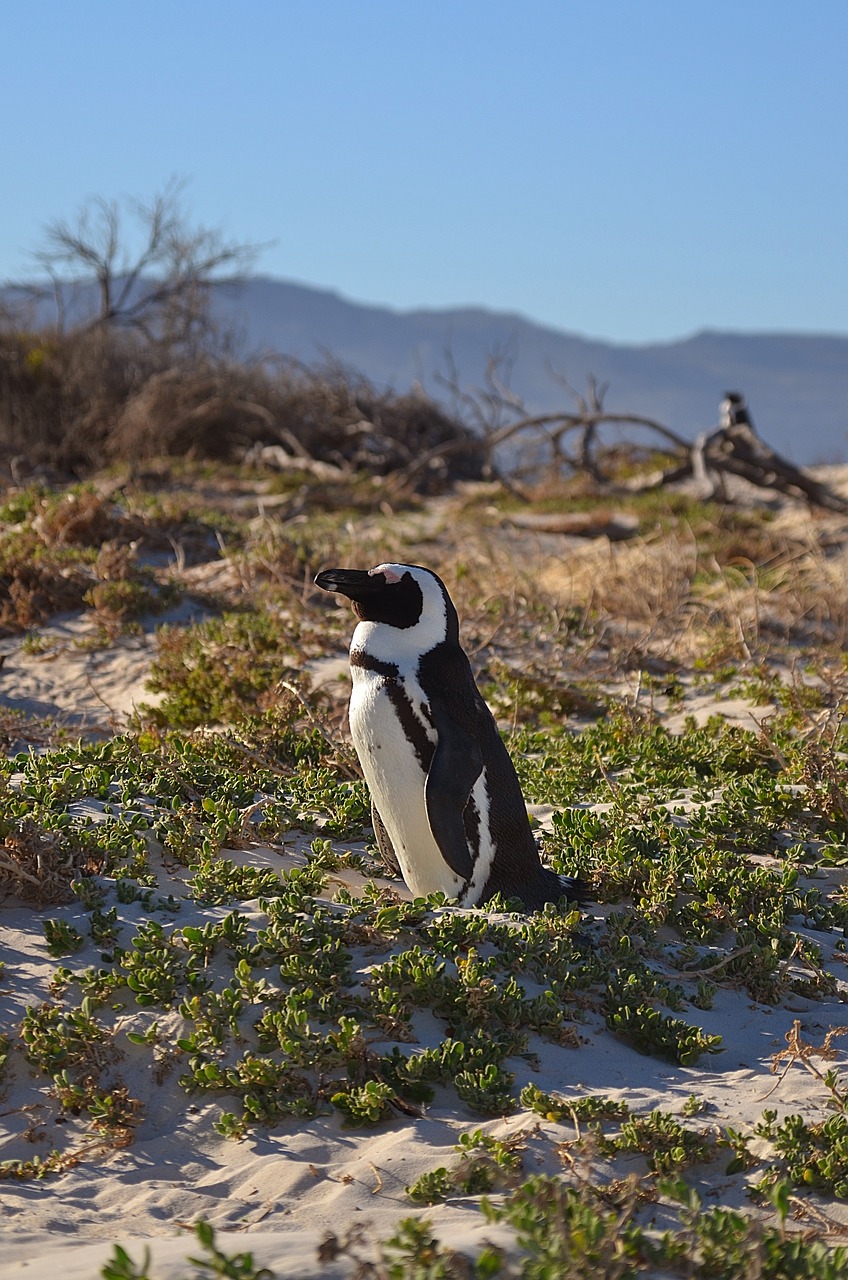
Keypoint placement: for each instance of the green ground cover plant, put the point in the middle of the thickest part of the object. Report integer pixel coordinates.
(564, 1233)
(282, 1013)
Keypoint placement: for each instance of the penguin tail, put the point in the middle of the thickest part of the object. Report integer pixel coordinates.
(574, 889)
(554, 888)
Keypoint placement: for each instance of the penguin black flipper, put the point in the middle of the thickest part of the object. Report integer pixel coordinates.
(456, 765)
(384, 844)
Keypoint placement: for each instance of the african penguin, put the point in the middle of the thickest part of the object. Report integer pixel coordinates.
(734, 411)
(446, 801)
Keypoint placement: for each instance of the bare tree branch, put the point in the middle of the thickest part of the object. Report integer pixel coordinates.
(160, 288)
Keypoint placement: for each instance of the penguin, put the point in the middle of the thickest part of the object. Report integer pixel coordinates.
(446, 801)
(734, 411)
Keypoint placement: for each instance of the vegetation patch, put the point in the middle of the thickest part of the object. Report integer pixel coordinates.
(217, 922)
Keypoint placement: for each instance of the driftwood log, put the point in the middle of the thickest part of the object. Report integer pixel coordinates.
(736, 449)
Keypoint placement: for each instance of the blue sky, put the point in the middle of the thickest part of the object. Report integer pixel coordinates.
(629, 169)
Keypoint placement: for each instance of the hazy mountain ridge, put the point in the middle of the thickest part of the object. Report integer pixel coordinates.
(796, 384)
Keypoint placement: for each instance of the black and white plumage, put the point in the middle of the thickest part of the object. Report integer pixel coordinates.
(734, 411)
(446, 800)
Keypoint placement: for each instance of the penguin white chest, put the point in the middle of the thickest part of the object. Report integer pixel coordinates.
(394, 740)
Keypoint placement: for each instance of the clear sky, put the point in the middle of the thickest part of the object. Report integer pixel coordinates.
(629, 169)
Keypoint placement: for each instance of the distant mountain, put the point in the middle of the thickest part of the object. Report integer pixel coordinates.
(796, 384)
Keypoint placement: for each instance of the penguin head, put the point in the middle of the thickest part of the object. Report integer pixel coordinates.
(405, 600)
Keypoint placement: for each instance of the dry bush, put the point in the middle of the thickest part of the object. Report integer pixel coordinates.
(61, 394)
(77, 519)
(40, 866)
(30, 395)
(664, 597)
(81, 400)
(339, 416)
(117, 561)
(74, 548)
(199, 412)
(17, 729)
(37, 581)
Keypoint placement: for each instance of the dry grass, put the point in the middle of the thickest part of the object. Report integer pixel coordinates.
(550, 607)
(676, 595)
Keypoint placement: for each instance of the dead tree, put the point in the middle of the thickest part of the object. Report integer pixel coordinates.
(733, 448)
(500, 417)
(160, 290)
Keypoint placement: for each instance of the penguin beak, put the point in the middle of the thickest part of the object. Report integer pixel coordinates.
(356, 584)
